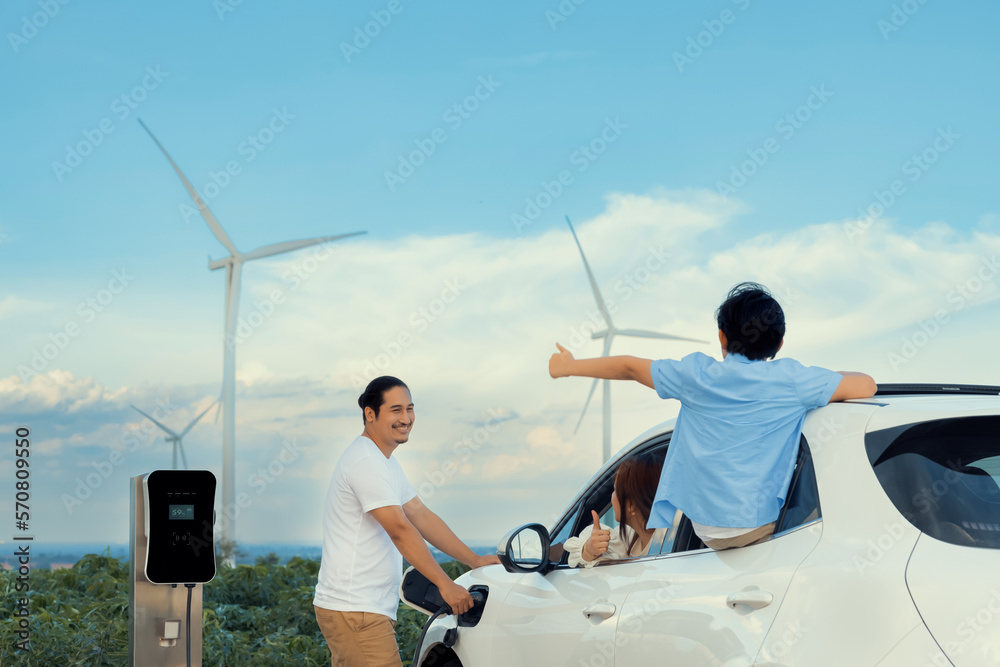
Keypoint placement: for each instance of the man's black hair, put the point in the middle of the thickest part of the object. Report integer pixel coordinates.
(374, 394)
(752, 321)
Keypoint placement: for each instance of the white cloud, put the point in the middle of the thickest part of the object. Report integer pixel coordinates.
(469, 321)
(546, 451)
(12, 306)
(56, 389)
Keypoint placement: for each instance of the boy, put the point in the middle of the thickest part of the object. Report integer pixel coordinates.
(740, 419)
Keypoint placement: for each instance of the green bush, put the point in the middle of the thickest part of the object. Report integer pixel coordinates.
(253, 615)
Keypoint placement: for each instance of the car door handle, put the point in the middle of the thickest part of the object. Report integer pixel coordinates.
(602, 610)
(752, 599)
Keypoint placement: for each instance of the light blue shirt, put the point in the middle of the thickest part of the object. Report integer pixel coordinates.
(734, 446)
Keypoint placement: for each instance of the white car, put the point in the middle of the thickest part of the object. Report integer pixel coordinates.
(887, 553)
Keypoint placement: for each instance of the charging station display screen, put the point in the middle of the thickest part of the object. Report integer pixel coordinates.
(179, 526)
(182, 512)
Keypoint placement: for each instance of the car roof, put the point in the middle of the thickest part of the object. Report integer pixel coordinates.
(931, 389)
(925, 396)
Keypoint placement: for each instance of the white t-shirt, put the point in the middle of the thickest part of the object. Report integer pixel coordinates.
(361, 568)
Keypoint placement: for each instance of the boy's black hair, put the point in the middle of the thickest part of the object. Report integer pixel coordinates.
(752, 321)
(374, 394)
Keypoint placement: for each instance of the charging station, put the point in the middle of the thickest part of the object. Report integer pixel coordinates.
(171, 555)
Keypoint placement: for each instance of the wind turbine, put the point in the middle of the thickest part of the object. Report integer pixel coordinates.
(608, 335)
(234, 268)
(177, 437)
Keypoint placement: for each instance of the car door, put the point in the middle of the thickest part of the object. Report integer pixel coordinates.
(568, 616)
(705, 607)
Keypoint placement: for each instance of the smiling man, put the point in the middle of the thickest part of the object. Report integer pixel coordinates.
(373, 519)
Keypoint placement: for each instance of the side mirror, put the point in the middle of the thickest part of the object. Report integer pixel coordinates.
(525, 549)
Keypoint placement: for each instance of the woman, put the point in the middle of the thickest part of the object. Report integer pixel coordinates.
(632, 498)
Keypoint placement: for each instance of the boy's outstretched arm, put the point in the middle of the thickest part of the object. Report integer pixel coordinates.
(562, 364)
(854, 385)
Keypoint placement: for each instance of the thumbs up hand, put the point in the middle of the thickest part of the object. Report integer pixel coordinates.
(559, 362)
(599, 540)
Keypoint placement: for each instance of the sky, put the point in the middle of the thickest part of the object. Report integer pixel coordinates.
(843, 154)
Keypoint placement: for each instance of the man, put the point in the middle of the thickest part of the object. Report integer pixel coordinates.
(734, 446)
(372, 520)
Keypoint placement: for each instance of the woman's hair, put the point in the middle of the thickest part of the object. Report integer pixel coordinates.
(635, 484)
(374, 395)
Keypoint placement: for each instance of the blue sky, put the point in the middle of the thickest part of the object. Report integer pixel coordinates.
(873, 84)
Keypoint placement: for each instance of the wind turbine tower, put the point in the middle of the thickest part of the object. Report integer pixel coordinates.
(233, 264)
(608, 335)
(176, 438)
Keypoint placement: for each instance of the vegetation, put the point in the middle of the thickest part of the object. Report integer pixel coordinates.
(253, 615)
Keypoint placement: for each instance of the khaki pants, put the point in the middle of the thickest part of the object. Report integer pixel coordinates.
(359, 638)
(753, 537)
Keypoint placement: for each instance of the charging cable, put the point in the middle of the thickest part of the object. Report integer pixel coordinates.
(187, 624)
(451, 635)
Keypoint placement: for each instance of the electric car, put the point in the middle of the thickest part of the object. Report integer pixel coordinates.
(887, 553)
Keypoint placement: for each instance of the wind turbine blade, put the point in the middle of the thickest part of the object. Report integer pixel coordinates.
(213, 224)
(154, 421)
(184, 460)
(191, 425)
(288, 246)
(590, 277)
(584, 411)
(640, 333)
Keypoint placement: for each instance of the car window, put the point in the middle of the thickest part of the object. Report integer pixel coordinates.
(608, 518)
(598, 498)
(801, 505)
(802, 501)
(943, 477)
(556, 553)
